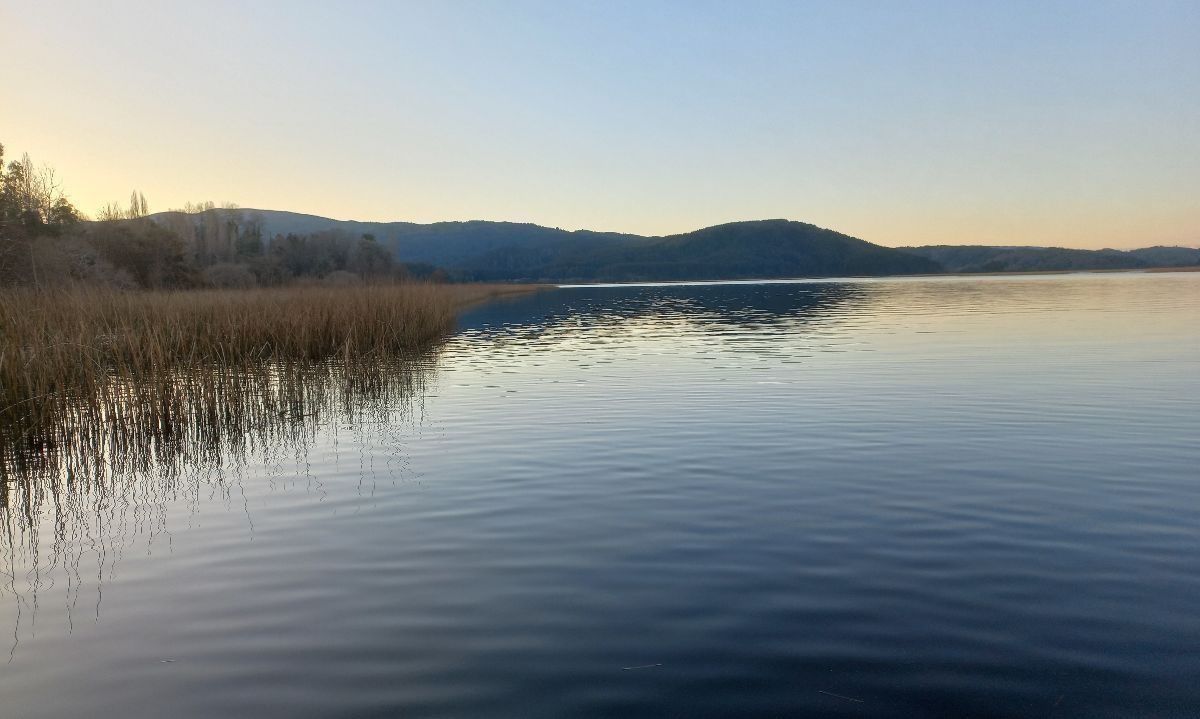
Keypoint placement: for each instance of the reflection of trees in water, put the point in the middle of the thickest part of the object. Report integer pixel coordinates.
(733, 313)
(77, 490)
(719, 311)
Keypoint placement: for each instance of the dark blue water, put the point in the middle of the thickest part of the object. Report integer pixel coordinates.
(895, 498)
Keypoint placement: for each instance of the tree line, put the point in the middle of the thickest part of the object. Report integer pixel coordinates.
(46, 241)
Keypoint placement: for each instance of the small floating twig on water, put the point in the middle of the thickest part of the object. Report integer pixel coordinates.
(839, 696)
(641, 666)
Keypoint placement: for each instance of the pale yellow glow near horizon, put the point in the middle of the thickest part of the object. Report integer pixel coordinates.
(1071, 126)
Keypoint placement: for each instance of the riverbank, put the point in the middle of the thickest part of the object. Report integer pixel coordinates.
(69, 348)
(841, 278)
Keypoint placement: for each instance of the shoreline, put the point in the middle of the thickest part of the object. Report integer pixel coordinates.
(838, 278)
(73, 353)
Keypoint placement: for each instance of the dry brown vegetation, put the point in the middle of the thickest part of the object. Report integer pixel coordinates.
(129, 371)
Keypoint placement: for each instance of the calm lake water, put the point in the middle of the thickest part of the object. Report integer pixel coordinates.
(888, 498)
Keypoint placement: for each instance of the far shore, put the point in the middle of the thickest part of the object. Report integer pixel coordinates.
(832, 278)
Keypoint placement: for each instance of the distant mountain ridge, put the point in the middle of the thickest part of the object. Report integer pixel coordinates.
(982, 258)
(510, 251)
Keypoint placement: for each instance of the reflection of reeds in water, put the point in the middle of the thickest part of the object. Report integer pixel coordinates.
(113, 405)
(73, 359)
(200, 421)
(101, 482)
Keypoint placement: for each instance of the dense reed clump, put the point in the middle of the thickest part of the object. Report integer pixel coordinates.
(130, 371)
(87, 482)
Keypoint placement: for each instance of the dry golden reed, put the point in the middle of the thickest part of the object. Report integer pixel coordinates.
(119, 375)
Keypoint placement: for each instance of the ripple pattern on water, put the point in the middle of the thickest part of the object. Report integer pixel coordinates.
(888, 498)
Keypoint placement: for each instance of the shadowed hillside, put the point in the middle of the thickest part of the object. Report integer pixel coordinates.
(505, 251)
(766, 248)
(978, 258)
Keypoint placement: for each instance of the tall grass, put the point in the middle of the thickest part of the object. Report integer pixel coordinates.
(121, 375)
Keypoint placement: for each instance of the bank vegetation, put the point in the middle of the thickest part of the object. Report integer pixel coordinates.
(124, 331)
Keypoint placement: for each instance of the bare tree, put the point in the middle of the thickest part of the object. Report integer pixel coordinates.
(137, 205)
(137, 208)
(110, 212)
(194, 208)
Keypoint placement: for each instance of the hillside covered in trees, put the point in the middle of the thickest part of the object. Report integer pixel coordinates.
(45, 241)
(768, 248)
(506, 251)
(978, 258)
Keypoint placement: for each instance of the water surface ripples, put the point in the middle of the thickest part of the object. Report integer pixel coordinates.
(887, 498)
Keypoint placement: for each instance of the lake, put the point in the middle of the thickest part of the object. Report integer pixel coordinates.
(918, 497)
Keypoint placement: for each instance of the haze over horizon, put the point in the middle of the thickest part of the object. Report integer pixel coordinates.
(1064, 124)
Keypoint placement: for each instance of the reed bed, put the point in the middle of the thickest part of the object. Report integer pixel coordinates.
(122, 376)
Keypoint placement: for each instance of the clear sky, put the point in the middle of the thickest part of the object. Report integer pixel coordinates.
(965, 122)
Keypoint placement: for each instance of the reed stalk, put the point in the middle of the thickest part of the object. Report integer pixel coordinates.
(130, 372)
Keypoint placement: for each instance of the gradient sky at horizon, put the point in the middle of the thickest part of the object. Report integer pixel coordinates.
(1055, 123)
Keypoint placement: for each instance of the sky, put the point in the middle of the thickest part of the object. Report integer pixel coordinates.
(1073, 124)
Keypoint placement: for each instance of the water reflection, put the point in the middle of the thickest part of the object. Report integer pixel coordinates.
(793, 305)
(707, 307)
(77, 490)
(935, 497)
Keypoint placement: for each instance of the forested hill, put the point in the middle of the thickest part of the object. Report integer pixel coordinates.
(447, 244)
(508, 251)
(980, 258)
(45, 241)
(480, 250)
(764, 248)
